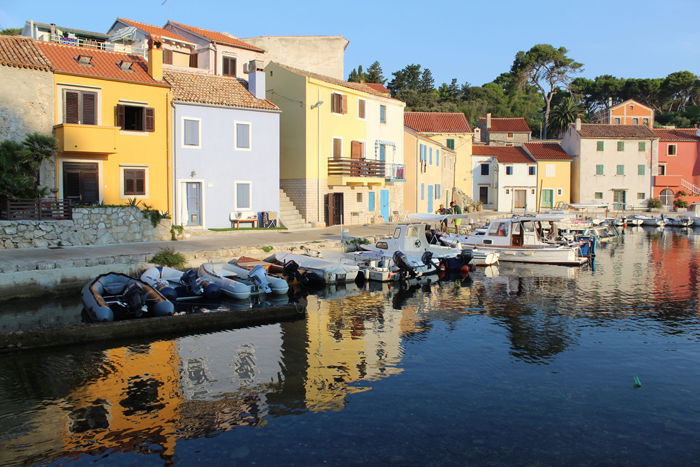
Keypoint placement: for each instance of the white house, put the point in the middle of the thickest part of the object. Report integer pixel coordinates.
(504, 178)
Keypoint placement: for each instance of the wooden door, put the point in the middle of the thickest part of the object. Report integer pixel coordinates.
(334, 208)
(520, 197)
(81, 182)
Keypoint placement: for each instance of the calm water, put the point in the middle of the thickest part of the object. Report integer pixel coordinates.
(520, 365)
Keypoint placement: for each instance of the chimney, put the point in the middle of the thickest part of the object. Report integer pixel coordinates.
(488, 121)
(52, 31)
(578, 123)
(256, 78)
(155, 58)
(610, 101)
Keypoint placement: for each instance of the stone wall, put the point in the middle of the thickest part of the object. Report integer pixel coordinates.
(90, 226)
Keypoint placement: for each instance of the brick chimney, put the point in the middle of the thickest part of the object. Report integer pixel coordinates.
(155, 58)
(488, 121)
(256, 78)
(578, 123)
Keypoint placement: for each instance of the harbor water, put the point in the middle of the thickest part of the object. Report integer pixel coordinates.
(514, 365)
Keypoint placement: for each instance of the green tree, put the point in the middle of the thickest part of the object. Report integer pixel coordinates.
(11, 31)
(357, 75)
(564, 113)
(375, 74)
(19, 166)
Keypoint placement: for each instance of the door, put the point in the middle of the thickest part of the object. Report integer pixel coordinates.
(384, 204)
(430, 198)
(519, 198)
(193, 204)
(81, 182)
(547, 198)
(619, 199)
(484, 195)
(334, 209)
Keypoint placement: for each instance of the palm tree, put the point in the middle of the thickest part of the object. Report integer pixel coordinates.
(564, 112)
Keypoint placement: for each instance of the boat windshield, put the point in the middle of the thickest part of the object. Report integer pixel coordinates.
(397, 232)
(414, 231)
(499, 229)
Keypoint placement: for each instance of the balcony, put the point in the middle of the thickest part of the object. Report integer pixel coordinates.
(96, 44)
(395, 172)
(361, 172)
(667, 180)
(90, 139)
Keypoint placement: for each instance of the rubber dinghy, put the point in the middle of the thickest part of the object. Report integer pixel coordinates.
(330, 272)
(180, 285)
(259, 276)
(116, 296)
(231, 283)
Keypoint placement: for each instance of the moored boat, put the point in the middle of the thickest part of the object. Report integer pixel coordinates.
(328, 271)
(259, 275)
(180, 285)
(229, 282)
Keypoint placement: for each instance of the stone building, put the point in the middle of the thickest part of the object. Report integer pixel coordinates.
(503, 131)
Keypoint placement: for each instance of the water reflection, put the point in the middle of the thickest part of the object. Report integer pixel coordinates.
(152, 397)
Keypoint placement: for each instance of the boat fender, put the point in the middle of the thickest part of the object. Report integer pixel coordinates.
(212, 291)
(164, 308)
(169, 293)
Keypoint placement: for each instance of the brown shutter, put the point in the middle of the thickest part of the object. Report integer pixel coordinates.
(71, 110)
(120, 116)
(89, 108)
(337, 148)
(168, 57)
(149, 117)
(361, 110)
(356, 149)
(193, 60)
(344, 105)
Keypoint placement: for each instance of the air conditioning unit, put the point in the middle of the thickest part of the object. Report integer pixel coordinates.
(246, 68)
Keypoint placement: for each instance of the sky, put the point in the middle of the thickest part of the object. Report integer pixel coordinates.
(471, 41)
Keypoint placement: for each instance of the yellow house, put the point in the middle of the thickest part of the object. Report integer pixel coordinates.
(111, 124)
(341, 155)
(553, 173)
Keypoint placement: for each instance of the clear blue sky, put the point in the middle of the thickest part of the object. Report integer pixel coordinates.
(468, 40)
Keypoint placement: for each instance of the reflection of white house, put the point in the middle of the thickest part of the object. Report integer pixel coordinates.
(504, 178)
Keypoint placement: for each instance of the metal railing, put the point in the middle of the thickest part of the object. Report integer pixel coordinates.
(93, 44)
(395, 171)
(356, 168)
(689, 186)
(36, 209)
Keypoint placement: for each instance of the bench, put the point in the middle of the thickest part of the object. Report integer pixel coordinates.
(243, 217)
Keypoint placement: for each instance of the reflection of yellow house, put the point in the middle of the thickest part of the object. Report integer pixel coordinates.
(111, 123)
(553, 173)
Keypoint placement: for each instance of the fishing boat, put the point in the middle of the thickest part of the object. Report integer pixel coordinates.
(178, 285)
(329, 271)
(115, 296)
(230, 283)
(258, 274)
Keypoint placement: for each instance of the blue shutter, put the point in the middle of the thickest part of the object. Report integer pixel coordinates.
(422, 191)
(437, 191)
(371, 201)
(437, 157)
(431, 156)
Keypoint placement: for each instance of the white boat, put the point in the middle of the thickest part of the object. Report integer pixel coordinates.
(649, 221)
(179, 285)
(521, 239)
(258, 275)
(231, 284)
(331, 272)
(678, 221)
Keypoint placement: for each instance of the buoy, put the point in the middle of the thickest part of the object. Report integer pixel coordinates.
(465, 269)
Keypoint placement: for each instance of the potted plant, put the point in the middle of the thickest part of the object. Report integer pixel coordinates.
(679, 203)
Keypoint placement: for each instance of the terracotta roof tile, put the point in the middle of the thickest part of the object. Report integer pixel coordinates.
(219, 37)
(22, 52)
(547, 151)
(678, 134)
(104, 64)
(437, 122)
(504, 154)
(155, 30)
(510, 125)
(598, 130)
(214, 90)
(379, 87)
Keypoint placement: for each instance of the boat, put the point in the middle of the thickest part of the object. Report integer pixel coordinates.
(258, 273)
(375, 266)
(115, 296)
(178, 285)
(289, 271)
(649, 221)
(678, 221)
(329, 271)
(229, 282)
(521, 239)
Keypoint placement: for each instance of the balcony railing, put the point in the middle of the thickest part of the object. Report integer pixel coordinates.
(356, 168)
(395, 172)
(36, 209)
(90, 43)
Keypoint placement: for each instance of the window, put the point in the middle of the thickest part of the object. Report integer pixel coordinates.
(598, 195)
(646, 121)
(620, 145)
(672, 150)
(422, 191)
(133, 182)
(600, 146)
(359, 197)
(631, 107)
(635, 121)
(357, 149)
(190, 132)
(532, 170)
(167, 57)
(135, 118)
(337, 148)
(193, 61)
(450, 143)
(243, 196)
(243, 136)
(641, 169)
(560, 192)
(507, 191)
(641, 196)
(662, 169)
(437, 191)
(437, 157)
(599, 169)
(382, 114)
(642, 146)
(371, 201)
(228, 66)
(620, 169)
(484, 169)
(361, 106)
(339, 103)
(79, 107)
(509, 170)
(549, 170)
(617, 120)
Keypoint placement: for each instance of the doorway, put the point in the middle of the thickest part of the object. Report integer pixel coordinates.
(81, 182)
(193, 204)
(384, 204)
(334, 208)
(519, 199)
(484, 195)
(619, 199)
(547, 198)
(430, 198)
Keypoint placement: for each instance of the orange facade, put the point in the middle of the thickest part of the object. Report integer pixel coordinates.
(631, 113)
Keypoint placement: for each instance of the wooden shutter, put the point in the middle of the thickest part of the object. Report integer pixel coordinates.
(89, 108)
(337, 148)
(149, 118)
(193, 60)
(344, 104)
(71, 109)
(356, 149)
(168, 57)
(361, 109)
(120, 116)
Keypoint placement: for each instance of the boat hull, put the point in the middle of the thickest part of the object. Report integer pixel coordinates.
(214, 273)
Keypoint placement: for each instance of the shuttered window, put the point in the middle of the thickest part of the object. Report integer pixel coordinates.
(356, 149)
(80, 107)
(167, 57)
(600, 146)
(339, 103)
(193, 61)
(620, 145)
(337, 148)
(371, 201)
(191, 132)
(135, 118)
(134, 182)
(229, 66)
(641, 169)
(361, 104)
(382, 114)
(450, 143)
(243, 136)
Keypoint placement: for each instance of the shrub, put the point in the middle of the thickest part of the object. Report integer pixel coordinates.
(169, 257)
(266, 248)
(175, 231)
(654, 203)
(680, 203)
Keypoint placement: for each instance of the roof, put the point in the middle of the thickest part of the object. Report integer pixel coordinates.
(203, 88)
(154, 30)
(437, 122)
(547, 151)
(22, 52)
(600, 130)
(379, 87)
(510, 125)
(79, 31)
(629, 101)
(678, 134)
(418, 135)
(104, 64)
(338, 82)
(504, 154)
(218, 37)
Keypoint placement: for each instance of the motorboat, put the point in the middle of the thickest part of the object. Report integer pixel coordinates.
(230, 283)
(290, 271)
(114, 296)
(649, 221)
(259, 275)
(678, 221)
(180, 285)
(329, 271)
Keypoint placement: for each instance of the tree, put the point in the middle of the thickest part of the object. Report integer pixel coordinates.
(449, 92)
(563, 113)
(548, 69)
(357, 75)
(11, 31)
(375, 74)
(19, 166)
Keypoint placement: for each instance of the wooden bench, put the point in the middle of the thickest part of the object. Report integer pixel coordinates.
(243, 217)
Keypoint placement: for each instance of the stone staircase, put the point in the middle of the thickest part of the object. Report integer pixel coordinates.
(289, 215)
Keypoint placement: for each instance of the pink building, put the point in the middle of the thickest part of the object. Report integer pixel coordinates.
(679, 165)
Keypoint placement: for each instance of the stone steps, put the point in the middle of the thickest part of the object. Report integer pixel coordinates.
(289, 214)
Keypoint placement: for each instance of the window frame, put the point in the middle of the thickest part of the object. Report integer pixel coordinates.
(144, 110)
(235, 135)
(81, 90)
(382, 114)
(235, 65)
(235, 195)
(673, 153)
(122, 181)
(595, 195)
(641, 196)
(339, 107)
(183, 144)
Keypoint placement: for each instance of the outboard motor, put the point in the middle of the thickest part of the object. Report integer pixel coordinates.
(427, 258)
(307, 279)
(257, 276)
(401, 261)
(133, 298)
(189, 280)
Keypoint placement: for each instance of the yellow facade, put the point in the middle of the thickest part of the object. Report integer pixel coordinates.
(463, 157)
(114, 149)
(426, 163)
(553, 175)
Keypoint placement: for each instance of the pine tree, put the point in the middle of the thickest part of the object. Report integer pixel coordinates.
(375, 74)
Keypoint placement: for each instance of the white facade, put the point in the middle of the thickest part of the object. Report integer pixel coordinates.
(484, 186)
(517, 187)
(388, 134)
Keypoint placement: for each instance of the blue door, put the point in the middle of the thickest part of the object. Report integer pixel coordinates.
(430, 198)
(384, 204)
